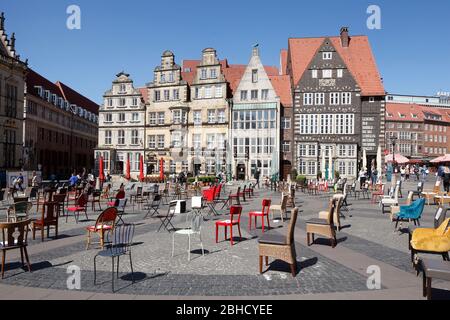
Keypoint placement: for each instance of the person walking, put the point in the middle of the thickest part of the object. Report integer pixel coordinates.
(362, 177)
(257, 176)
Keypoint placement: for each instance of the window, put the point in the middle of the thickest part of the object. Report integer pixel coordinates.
(327, 55)
(302, 167)
(123, 89)
(340, 73)
(213, 73)
(208, 92)
(171, 77)
(108, 117)
(219, 92)
(161, 142)
(163, 78)
(342, 167)
(161, 118)
(221, 115)
(121, 137)
(122, 102)
(314, 74)
(135, 117)
(108, 137)
(176, 116)
(134, 137)
(308, 99)
(210, 141)
(197, 141)
(319, 99)
(302, 150)
(153, 118)
(327, 73)
(346, 98)
(243, 95)
(211, 116)
(255, 75)
(110, 102)
(203, 74)
(264, 94)
(311, 168)
(286, 146)
(177, 139)
(372, 100)
(334, 98)
(254, 94)
(341, 151)
(286, 123)
(197, 117)
(166, 95)
(176, 94)
(157, 95)
(135, 101)
(152, 142)
(121, 117)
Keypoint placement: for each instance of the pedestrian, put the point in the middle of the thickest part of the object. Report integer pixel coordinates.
(446, 178)
(362, 177)
(407, 173)
(73, 181)
(257, 176)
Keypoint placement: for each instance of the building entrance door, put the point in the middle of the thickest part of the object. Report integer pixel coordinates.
(241, 172)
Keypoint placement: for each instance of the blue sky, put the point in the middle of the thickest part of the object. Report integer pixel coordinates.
(412, 48)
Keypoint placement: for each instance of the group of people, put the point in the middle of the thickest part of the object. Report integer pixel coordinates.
(444, 174)
(365, 176)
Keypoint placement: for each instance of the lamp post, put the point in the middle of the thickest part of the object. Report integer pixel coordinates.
(393, 142)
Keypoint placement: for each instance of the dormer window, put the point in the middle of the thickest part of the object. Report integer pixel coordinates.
(327, 55)
(40, 91)
(47, 95)
(413, 115)
(401, 115)
(54, 99)
(171, 77)
(213, 73)
(163, 78)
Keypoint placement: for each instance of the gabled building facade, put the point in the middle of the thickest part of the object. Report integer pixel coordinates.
(122, 127)
(167, 117)
(339, 104)
(12, 83)
(255, 123)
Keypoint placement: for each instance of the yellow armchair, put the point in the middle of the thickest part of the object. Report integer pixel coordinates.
(432, 240)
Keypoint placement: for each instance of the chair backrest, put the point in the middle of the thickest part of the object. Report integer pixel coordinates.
(122, 203)
(196, 223)
(397, 189)
(444, 228)
(156, 200)
(266, 203)
(59, 198)
(439, 217)
(409, 199)
(437, 186)
(218, 191)
(331, 209)
(22, 207)
(197, 203)
(107, 217)
(172, 208)
(139, 191)
(63, 191)
(291, 227)
(49, 212)
(420, 186)
(155, 188)
(120, 239)
(284, 201)
(14, 234)
(20, 199)
(82, 200)
(235, 211)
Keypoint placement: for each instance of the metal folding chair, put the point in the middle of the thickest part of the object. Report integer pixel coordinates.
(166, 219)
(153, 208)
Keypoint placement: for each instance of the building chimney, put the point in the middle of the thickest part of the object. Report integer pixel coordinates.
(2, 21)
(13, 42)
(345, 39)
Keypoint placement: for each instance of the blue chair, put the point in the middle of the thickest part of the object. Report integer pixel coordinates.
(412, 212)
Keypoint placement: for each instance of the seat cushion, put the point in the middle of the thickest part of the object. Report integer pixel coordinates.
(424, 239)
(256, 213)
(436, 268)
(273, 239)
(321, 222)
(100, 227)
(226, 222)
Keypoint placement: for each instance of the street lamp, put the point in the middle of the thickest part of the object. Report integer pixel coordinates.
(393, 142)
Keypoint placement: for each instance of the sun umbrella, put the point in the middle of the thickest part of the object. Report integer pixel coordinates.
(161, 170)
(379, 160)
(101, 173)
(274, 168)
(323, 166)
(330, 166)
(128, 173)
(445, 158)
(398, 159)
(141, 169)
(364, 159)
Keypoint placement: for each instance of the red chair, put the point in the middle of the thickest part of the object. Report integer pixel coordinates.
(80, 206)
(209, 198)
(235, 196)
(264, 213)
(235, 220)
(209, 193)
(119, 196)
(105, 222)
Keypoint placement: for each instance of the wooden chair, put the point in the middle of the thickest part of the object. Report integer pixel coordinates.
(14, 236)
(105, 222)
(60, 199)
(324, 227)
(19, 211)
(281, 208)
(280, 247)
(80, 206)
(337, 212)
(96, 196)
(49, 218)
(430, 194)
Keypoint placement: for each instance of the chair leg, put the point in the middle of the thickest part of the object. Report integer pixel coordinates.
(3, 262)
(95, 270)
(231, 235)
(217, 233)
(260, 264)
(88, 242)
(293, 269)
(112, 283)
(26, 258)
(240, 235)
(118, 262)
(131, 266)
(267, 261)
(21, 257)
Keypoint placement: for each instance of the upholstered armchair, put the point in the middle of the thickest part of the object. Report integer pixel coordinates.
(412, 212)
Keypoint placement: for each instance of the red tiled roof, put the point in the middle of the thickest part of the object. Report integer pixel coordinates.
(283, 61)
(76, 98)
(358, 56)
(282, 86)
(144, 94)
(35, 79)
(394, 110)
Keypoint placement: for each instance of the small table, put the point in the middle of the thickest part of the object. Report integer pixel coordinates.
(434, 269)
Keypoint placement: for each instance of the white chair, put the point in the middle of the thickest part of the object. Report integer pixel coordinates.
(195, 229)
(391, 201)
(196, 206)
(281, 208)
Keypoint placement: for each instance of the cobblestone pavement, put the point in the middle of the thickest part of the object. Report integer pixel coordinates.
(225, 270)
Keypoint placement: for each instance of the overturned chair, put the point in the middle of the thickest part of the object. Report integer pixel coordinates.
(280, 247)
